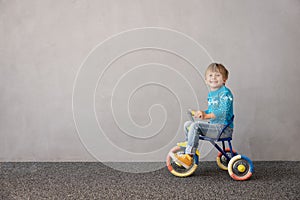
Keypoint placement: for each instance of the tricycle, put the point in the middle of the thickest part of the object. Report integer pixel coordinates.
(239, 167)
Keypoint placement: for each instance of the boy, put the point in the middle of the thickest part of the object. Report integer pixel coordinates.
(219, 113)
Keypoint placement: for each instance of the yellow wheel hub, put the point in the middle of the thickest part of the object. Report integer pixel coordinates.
(241, 168)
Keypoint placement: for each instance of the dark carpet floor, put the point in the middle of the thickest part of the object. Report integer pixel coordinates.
(271, 180)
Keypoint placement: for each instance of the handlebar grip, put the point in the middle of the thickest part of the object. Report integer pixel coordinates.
(193, 112)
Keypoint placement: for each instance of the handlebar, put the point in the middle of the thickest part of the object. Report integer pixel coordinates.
(191, 114)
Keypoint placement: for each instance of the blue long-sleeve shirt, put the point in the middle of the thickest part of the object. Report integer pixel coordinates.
(220, 103)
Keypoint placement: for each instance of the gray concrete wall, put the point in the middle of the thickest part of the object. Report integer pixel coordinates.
(43, 44)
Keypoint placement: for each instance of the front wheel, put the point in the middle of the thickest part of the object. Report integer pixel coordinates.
(175, 168)
(240, 168)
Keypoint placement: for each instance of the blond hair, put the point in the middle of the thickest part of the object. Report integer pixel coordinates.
(216, 67)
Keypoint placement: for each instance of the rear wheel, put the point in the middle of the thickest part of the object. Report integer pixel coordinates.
(222, 161)
(176, 168)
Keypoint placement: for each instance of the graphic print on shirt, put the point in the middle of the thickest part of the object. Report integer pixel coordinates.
(224, 96)
(214, 100)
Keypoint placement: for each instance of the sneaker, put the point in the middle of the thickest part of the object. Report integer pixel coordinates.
(185, 159)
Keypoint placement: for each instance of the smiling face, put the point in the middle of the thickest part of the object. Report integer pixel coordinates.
(216, 76)
(214, 80)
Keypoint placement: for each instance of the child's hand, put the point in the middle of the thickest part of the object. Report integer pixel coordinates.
(200, 114)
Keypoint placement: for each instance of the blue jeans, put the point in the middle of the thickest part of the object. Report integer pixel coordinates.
(193, 129)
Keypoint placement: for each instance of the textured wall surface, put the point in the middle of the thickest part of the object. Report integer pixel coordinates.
(44, 44)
